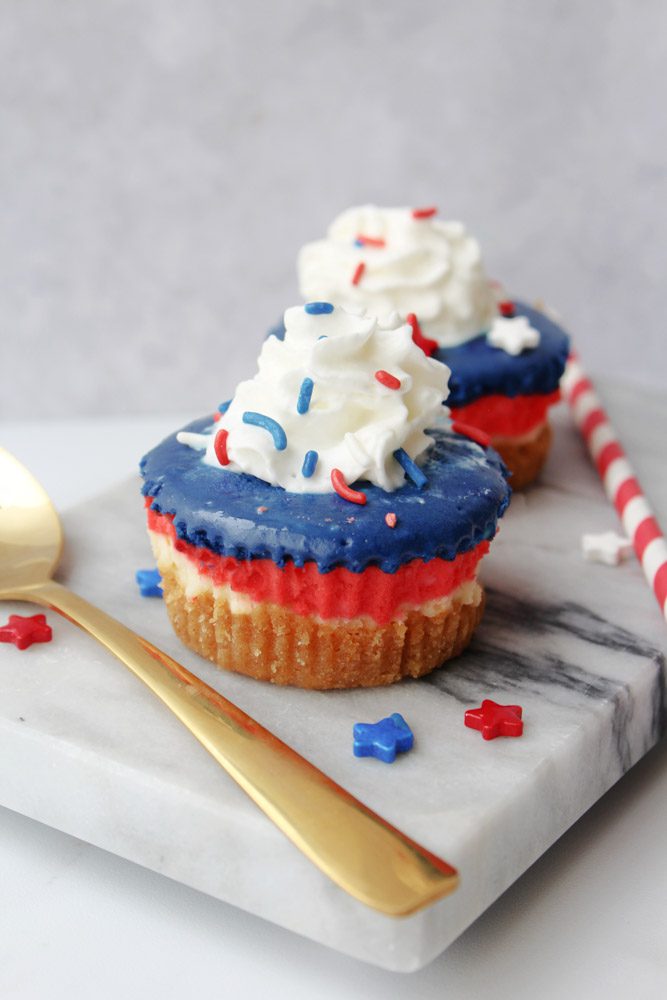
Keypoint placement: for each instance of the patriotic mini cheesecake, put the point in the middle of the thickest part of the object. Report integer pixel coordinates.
(315, 531)
(506, 359)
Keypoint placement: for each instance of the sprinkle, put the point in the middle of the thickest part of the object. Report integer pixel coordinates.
(262, 510)
(369, 241)
(424, 213)
(323, 336)
(23, 630)
(506, 308)
(390, 519)
(318, 308)
(309, 464)
(359, 270)
(305, 392)
(268, 424)
(606, 547)
(427, 345)
(345, 491)
(220, 446)
(390, 381)
(474, 433)
(350, 520)
(149, 581)
(410, 468)
(221, 409)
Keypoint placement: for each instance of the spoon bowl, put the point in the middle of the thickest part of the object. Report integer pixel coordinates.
(31, 537)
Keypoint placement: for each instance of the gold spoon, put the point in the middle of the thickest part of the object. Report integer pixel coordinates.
(356, 848)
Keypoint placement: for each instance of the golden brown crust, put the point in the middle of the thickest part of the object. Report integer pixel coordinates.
(273, 643)
(524, 458)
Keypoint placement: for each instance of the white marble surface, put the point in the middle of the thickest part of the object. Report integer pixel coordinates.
(573, 722)
(161, 164)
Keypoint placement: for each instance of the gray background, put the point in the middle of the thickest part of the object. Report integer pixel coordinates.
(161, 164)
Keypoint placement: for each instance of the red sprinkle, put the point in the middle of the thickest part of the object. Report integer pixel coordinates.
(506, 308)
(356, 277)
(424, 213)
(216, 416)
(345, 491)
(492, 719)
(474, 433)
(390, 519)
(427, 345)
(262, 510)
(371, 241)
(220, 446)
(390, 381)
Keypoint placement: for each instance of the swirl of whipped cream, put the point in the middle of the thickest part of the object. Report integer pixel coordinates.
(340, 392)
(411, 264)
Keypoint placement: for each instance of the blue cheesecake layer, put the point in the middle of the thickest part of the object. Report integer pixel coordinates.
(466, 493)
(481, 370)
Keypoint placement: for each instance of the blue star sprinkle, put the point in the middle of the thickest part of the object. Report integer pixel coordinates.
(383, 739)
(149, 581)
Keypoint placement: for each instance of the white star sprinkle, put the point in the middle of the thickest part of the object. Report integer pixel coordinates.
(607, 547)
(513, 334)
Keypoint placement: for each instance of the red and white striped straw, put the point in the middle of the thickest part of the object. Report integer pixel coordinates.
(618, 477)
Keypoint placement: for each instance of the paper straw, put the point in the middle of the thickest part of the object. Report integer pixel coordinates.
(618, 478)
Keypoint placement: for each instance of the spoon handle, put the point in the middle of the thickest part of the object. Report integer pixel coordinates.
(356, 848)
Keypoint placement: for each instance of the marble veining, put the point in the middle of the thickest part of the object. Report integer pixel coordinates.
(580, 646)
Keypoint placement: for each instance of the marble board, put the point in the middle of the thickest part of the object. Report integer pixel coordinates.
(88, 750)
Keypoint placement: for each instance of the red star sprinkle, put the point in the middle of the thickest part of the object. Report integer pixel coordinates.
(390, 519)
(495, 720)
(474, 433)
(23, 630)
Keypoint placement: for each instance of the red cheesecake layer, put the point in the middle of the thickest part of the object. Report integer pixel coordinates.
(507, 416)
(337, 594)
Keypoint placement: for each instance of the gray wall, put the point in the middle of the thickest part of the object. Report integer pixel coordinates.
(162, 162)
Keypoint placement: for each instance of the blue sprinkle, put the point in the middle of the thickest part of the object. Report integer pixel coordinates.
(149, 581)
(322, 337)
(383, 739)
(318, 308)
(309, 464)
(358, 243)
(225, 406)
(411, 470)
(270, 425)
(305, 392)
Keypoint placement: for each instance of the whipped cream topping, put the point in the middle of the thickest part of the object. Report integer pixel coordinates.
(341, 392)
(386, 259)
